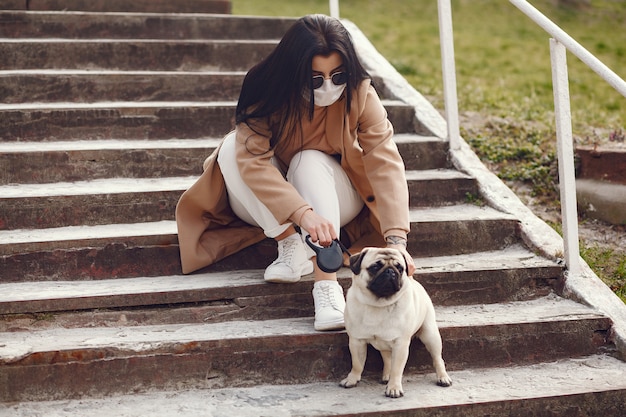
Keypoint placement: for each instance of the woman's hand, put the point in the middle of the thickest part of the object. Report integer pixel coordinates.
(409, 259)
(321, 230)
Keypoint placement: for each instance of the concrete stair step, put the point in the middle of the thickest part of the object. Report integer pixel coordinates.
(96, 86)
(150, 248)
(62, 161)
(509, 275)
(134, 25)
(460, 229)
(602, 200)
(160, 6)
(133, 54)
(422, 152)
(134, 200)
(96, 202)
(120, 120)
(439, 187)
(68, 363)
(91, 86)
(587, 386)
(136, 120)
(79, 160)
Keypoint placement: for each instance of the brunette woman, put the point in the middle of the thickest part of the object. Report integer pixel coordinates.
(312, 154)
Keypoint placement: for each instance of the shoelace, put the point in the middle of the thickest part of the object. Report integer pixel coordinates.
(288, 248)
(327, 298)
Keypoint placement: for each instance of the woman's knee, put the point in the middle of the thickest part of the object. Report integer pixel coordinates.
(226, 157)
(310, 165)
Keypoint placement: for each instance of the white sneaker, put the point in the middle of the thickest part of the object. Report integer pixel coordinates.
(329, 305)
(292, 261)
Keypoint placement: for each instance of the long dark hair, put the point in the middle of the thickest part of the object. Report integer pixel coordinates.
(273, 91)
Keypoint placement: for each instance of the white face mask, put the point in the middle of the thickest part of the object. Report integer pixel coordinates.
(328, 93)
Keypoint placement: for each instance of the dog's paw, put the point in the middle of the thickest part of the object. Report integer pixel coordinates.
(349, 382)
(444, 380)
(394, 391)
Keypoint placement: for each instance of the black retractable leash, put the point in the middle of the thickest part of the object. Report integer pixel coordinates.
(330, 258)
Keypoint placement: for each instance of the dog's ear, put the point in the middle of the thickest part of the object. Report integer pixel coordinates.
(355, 262)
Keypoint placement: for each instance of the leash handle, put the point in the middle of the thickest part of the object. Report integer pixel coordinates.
(329, 259)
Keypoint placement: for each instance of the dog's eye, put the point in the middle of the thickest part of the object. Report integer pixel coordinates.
(374, 268)
(400, 267)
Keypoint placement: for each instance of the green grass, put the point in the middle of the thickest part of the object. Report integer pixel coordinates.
(503, 76)
(609, 265)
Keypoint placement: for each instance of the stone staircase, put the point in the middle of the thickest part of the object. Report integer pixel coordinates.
(105, 120)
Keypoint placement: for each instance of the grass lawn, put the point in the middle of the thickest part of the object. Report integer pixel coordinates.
(504, 80)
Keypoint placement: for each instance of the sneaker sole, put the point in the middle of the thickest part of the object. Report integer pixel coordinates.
(334, 325)
(307, 269)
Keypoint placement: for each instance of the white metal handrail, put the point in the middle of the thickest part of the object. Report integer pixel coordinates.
(565, 156)
(334, 8)
(450, 99)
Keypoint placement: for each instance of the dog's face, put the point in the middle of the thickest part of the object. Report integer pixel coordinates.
(381, 271)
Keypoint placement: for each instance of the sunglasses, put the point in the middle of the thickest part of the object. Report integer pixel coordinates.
(337, 78)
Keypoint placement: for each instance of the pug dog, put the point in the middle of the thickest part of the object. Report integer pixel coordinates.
(386, 308)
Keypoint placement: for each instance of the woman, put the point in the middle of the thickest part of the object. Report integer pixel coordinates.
(312, 151)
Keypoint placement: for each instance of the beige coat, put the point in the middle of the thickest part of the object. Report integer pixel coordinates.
(208, 230)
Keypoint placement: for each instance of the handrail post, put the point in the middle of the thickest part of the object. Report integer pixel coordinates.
(334, 8)
(565, 150)
(449, 73)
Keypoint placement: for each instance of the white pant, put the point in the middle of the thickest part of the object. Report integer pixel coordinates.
(318, 178)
